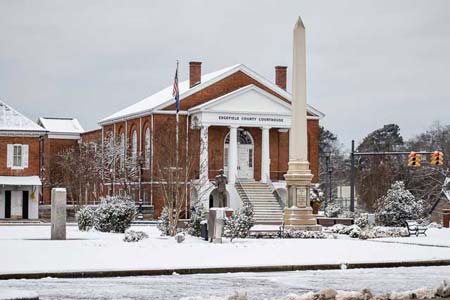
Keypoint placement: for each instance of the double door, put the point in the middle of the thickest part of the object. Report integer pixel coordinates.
(16, 204)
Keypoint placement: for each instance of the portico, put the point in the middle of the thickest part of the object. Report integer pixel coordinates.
(242, 111)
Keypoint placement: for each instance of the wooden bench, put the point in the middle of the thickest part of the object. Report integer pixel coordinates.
(415, 228)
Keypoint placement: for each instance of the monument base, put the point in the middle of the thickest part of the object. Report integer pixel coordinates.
(298, 215)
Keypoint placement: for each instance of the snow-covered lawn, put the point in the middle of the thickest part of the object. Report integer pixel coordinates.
(28, 249)
(435, 237)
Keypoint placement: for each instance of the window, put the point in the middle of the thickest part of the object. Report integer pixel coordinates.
(147, 148)
(250, 158)
(17, 156)
(122, 150)
(134, 146)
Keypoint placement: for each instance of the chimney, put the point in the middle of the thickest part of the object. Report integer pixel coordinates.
(280, 76)
(195, 73)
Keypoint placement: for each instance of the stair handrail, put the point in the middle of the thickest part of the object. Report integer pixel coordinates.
(243, 188)
(274, 191)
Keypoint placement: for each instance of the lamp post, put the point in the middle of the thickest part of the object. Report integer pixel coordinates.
(327, 152)
(140, 211)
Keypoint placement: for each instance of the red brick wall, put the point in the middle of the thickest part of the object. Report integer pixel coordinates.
(33, 156)
(52, 149)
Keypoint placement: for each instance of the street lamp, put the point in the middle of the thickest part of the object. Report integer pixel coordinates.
(140, 211)
(327, 152)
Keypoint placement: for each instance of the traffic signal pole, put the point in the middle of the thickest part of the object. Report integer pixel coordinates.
(353, 154)
(352, 178)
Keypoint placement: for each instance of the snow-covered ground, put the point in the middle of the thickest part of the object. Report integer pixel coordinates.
(219, 286)
(28, 249)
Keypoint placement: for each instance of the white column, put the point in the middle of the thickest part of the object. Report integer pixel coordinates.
(232, 155)
(265, 154)
(204, 178)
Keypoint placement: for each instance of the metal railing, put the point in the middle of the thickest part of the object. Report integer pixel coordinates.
(239, 183)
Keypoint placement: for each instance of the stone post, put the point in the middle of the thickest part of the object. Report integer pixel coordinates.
(298, 213)
(58, 214)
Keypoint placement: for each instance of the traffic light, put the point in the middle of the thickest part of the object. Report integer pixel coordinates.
(414, 159)
(437, 158)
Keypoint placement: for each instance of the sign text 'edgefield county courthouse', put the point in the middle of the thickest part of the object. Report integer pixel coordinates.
(247, 118)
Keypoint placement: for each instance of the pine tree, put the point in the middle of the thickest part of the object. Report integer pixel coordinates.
(398, 205)
(198, 214)
(239, 225)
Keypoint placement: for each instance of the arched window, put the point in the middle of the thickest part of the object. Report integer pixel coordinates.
(134, 146)
(122, 150)
(147, 148)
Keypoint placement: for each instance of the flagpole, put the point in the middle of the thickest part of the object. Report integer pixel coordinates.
(177, 149)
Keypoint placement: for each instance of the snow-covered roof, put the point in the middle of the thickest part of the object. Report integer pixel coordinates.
(20, 180)
(12, 120)
(61, 125)
(164, 97)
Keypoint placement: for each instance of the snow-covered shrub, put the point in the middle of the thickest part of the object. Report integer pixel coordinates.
(362, 220)
(114, 214)
(315, 193)
(333, 210)
(383, 232)
(239, 224)
(198, 214)
(299, 234)
(338, 228)
(134, 236)
(397, 206)
(85, 218)
(163, 224)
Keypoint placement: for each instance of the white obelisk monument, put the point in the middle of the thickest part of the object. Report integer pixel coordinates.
(298, 212)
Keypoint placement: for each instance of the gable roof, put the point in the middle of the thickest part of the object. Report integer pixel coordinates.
(12, 120)
(251, 88)
(61, 125)
(164, 97)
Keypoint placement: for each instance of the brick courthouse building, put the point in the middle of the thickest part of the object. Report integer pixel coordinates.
(232, 119)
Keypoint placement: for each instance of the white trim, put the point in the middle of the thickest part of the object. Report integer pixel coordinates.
(58, 136)
(208, 83)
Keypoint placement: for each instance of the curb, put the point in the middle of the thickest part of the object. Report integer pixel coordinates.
(190, 271)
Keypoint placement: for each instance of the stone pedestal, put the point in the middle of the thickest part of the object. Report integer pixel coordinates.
(298, 214)
(58, 214)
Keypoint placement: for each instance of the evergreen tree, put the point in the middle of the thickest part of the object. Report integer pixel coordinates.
(397, 206)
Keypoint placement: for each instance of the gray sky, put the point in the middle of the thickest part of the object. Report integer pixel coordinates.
(369, 62)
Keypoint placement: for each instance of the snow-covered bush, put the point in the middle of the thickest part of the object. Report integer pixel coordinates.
(85, 218)
(198, 214)
(163, 224)
(397, 206)
(315, 193)
(333, 210)
(114, 214)
(134, 236)
(383, 232)
(239, 224)
(299, 234)
(362, 220)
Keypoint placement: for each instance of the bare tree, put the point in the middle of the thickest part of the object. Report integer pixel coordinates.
(116, 166)
(76, 169)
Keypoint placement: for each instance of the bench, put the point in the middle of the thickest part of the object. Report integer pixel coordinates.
(415, 228)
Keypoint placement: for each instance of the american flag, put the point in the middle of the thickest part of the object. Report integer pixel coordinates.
(176, 92)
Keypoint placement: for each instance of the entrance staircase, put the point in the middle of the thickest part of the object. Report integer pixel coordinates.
(266, 208)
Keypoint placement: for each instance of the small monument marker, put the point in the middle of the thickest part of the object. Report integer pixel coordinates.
(58, 214)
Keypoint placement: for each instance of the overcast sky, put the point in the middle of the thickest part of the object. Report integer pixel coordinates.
(369, 62)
